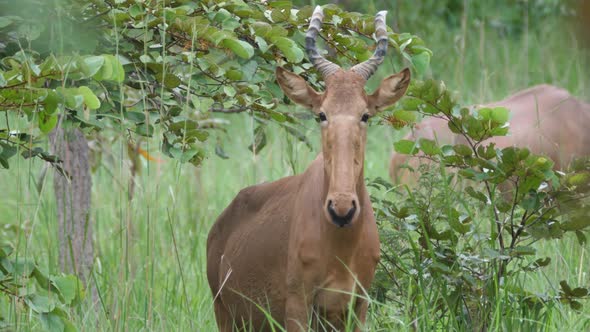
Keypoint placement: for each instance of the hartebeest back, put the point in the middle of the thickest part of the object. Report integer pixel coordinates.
(303, 242)
(545, 119)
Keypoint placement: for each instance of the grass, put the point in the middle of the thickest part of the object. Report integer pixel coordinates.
(150, 252)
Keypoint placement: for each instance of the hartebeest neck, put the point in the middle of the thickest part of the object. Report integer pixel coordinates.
(313, 191)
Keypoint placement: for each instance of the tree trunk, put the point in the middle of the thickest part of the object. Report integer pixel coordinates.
(76, 252)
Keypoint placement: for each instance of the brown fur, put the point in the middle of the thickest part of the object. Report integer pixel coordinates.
(545, 119)
(275, 245)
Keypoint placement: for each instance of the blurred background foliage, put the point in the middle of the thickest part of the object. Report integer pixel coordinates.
(157, 84)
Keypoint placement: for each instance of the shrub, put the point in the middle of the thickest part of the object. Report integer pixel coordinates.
(459, 246)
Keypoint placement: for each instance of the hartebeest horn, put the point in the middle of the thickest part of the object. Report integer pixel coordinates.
(325, 67)
(367, 68)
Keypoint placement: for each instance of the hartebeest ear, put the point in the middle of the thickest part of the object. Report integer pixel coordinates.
(295, 87)
(390, 91)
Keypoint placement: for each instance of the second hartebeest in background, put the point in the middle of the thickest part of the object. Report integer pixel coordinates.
(308, 242)
(545, 119)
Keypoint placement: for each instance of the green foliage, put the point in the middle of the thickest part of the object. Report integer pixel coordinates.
(26, 290)
(464, 268)
(171, 67)
(141, 284)
(507, 17)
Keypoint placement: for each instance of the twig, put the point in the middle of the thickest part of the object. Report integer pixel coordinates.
(514, 201)
(216, 109)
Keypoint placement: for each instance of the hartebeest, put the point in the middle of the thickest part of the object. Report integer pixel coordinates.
(545, 119)
(304, 243)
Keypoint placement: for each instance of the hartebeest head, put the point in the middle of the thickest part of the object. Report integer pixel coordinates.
(343, 111)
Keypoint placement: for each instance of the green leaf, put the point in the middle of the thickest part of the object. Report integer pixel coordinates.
(406, 146)
(243, 11)
(201, 135)
(567, 290)
(90, 99)
(429, 147)
(239, 47)
(462, 150)
(406, 116)
(229, 90)
(6, 250)
(259, 140)
(118, 70)
(289, 48)
(476, 194)
(500, 115)
(68, 287)
(221, 15)
(262, 44)
(169, 80)
(5, 21)
(410, 103)
(543, 261)
(106, 70)
(576, 223)
(144, 129)
(135, 10)
(503, 206)
(220, 152)
(523, 250)
(576, 305)
(280, 4)
(421, 62)
(93, 65)
(234, 74)
(440, 268)
(485, 113)
(18, 267)
(50, 102)
(187, 155)
(47, 122)
(579, 292)
(145, 58)
(72, 98)
(460, 227)
(184, 125)
(6, 152)
(68, 326)
(278, 116)
(52, 322)
(578, 179)
(111, 70)
(40, 303)
(135, 117)
(280, 15)
(42, 278)
(261, 29)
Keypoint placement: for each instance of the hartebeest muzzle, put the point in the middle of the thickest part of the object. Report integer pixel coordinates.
(342, 209)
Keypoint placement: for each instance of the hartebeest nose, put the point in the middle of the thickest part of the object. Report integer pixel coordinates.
(342, 209)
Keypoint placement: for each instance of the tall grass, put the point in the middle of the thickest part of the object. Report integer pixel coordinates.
(150, 251)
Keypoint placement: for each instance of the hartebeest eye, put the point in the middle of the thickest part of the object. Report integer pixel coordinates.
(365, 117)
(322, 117)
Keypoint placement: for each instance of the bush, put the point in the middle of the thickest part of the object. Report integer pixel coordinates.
(27, 291)
(459, 246)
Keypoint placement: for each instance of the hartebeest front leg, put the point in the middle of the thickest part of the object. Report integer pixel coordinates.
(224, 321)
(297, 313)
(360, 309)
